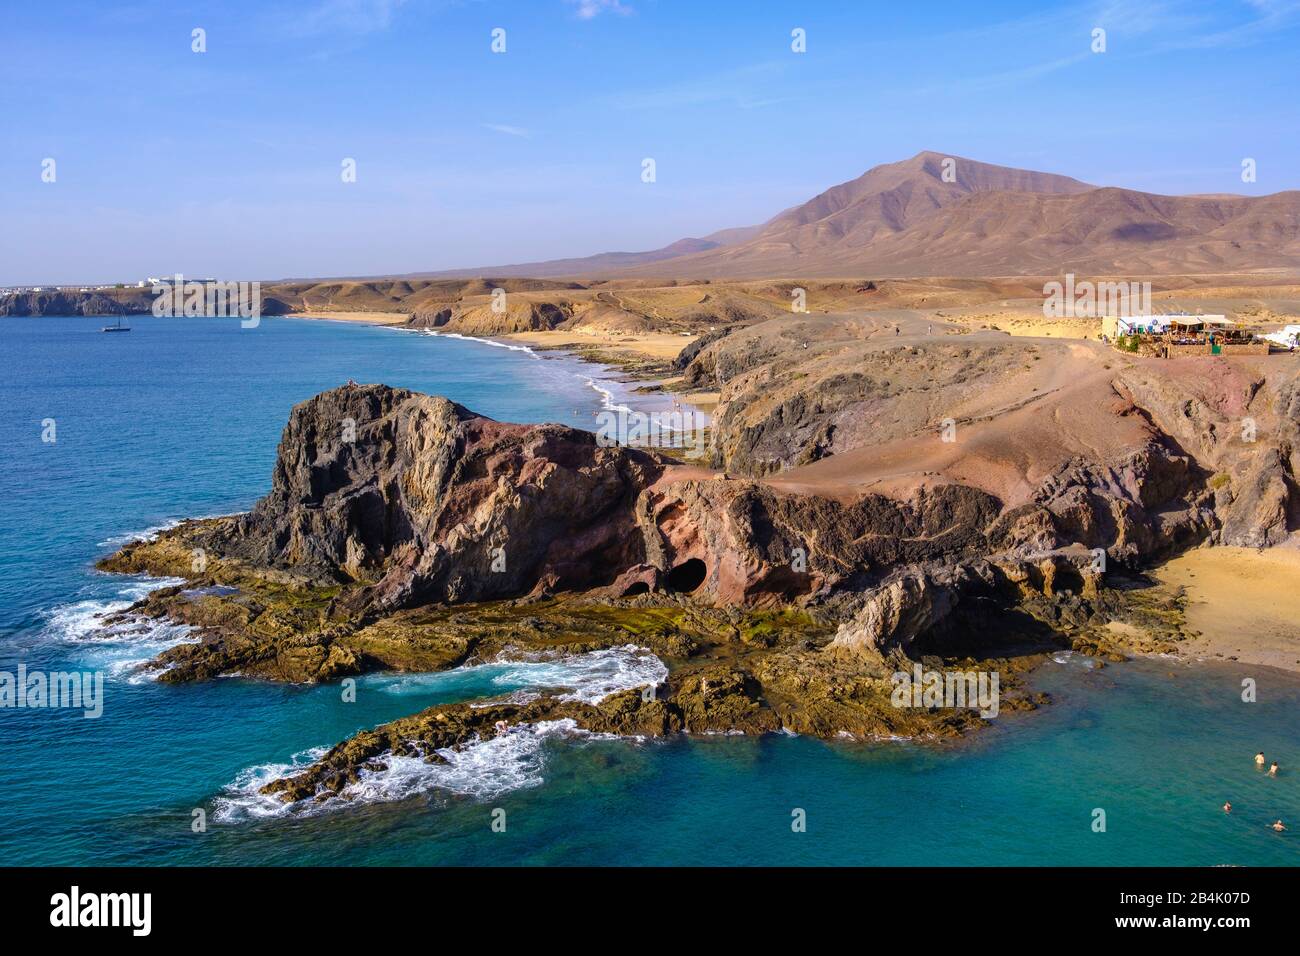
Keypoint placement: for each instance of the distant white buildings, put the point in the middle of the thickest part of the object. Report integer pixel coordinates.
(25, 289)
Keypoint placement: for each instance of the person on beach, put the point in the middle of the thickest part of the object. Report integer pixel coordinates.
(501, 727)
(1259, 759)
(1272, 770)
(1227, 808)
(1278, 826)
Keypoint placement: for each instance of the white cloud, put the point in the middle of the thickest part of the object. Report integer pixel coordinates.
(507, 130)
(345, 16)
(588, 9)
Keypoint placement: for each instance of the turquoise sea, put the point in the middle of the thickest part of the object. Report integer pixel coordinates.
(181, 417)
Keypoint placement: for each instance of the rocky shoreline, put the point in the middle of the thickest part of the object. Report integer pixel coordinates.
(784, 589)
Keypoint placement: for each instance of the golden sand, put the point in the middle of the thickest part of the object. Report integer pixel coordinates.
(370, 318)
(661, 346)
(1245, 604)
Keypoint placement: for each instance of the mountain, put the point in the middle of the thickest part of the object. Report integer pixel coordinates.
(941, 215)
(605, 262)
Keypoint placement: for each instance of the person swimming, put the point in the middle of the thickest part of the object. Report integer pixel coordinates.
(1259, 759)
(1227, 808)
(1278, 826)
(1272, 770)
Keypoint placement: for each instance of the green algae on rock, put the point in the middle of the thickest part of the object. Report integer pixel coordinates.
(405, 533)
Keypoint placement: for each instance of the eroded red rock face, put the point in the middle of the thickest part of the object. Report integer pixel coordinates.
(418, 500)
(429, 502)
(760, 546)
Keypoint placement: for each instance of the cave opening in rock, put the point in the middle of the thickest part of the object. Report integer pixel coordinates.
(635, 588)
(687, 576)
(1067, 579)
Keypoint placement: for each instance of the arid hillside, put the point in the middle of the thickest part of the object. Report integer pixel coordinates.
(937, 214)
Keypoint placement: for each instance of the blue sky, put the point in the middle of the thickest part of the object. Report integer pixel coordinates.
(227, 163)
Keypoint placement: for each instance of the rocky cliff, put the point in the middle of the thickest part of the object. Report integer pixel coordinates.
(399, 500)
(405, 532)
(1136, 456)
(128, 301)
(108, 302)
(413, 499)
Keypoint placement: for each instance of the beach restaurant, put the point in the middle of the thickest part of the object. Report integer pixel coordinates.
(1174, 336)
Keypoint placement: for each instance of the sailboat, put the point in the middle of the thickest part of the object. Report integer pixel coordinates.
(116, 328)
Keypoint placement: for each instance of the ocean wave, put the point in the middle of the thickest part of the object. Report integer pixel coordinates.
(589, 677)
(152, 532)
(607, 402)
(493, 342)
(87, 620)
(148, 534)
(480, 768)
(1074, 660)
(122, 645)
(242, 799)
(605, 388)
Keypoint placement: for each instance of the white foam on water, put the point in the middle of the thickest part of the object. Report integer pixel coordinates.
(480, 768)
(148, 534)
(604, 388)
(1075, 660)
(589, 678)
(242, 798)
(87, 620)
(519, 697)
(121, 646)
(492, 342)
(607, 402)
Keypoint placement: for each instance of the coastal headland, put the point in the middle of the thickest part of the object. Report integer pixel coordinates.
(880, 492)
(912, 466)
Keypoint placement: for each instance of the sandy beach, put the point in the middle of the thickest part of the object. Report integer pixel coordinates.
(1243, 605)
(705, 401)
(631, 348)
(369, 318)
(636, 346)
